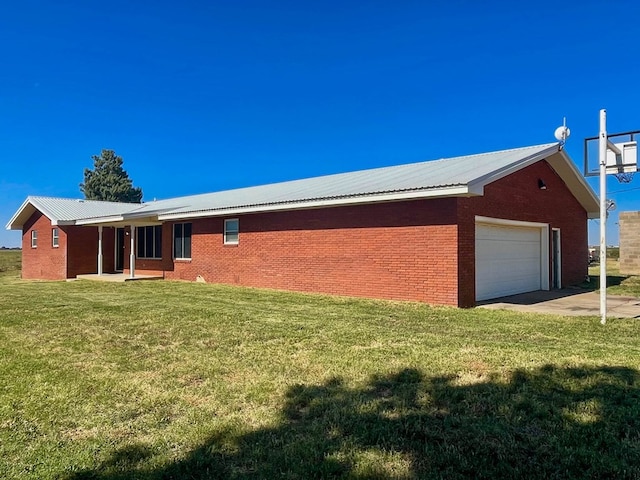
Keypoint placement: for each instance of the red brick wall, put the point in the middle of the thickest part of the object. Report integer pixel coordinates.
(45, 261)
(420, 250)
(83, 248)
(518, 197)
(404, 250)
(55, 263)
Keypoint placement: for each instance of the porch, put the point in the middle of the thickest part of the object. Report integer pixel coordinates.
(117, 277)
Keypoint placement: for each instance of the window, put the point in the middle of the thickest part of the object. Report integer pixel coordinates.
(149, 241)
(182, 240)
(231, 231)
(55, 238)
(34, 238)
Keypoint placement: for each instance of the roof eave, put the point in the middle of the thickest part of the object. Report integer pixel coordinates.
(12, 224)
(576, 183)
(453, 191)
(477, 185)
(28, 207)
(138, 219)
(99, 220)
(558, 159)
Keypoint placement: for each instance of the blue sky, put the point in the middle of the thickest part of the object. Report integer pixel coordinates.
(205, 96)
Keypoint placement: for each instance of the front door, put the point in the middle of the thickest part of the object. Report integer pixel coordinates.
(119, 249)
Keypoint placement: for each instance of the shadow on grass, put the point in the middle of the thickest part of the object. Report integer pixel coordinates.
(545, 423)
(594, 281)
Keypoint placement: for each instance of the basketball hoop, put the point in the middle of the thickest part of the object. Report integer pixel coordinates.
(621, 156)
(624, 177)
(619, 159)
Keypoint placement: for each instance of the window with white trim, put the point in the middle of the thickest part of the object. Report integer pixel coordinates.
(182, 241)
(55, 238)
(34, 238)
(149, 241)
(231, 231)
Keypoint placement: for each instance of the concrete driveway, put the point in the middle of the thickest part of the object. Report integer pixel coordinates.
(566, 302)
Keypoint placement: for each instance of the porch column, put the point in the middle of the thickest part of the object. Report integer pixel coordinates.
(100, 250)
(132, 255)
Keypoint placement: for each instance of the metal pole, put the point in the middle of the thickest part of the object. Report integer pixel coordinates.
(132, 255)
(602, 159)
(100, 250)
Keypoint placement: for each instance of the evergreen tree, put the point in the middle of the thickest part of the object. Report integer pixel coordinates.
(108, 181)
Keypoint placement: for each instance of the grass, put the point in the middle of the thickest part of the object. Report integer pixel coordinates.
(158, 380)
(617, 284)
(10, 261)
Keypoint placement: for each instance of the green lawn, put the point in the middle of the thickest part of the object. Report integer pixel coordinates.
(10, 261)
(617, 284)
(159, 380)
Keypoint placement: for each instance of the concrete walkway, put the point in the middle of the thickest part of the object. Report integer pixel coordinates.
(567, 302)
(116, 277)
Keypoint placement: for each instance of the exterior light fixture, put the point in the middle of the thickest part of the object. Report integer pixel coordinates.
(541, 184)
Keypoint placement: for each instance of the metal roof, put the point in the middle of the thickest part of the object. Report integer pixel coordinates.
(436, 175)
(457, 176)
(63, 211)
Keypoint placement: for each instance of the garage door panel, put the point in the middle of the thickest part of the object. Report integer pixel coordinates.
(508, 260)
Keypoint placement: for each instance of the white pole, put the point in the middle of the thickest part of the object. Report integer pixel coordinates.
(602, 159)
(132, 255)
(100, 250)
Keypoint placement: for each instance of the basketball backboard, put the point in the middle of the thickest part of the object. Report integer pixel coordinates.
(622, 156)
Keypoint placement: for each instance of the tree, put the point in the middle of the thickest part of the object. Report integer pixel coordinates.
(108, 181)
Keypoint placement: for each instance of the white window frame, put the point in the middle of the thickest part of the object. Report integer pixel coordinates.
(55, 237)
(173, 240)
(228, 232)
(34, 239)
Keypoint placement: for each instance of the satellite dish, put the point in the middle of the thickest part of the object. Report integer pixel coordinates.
(562, 133)
(611, 205)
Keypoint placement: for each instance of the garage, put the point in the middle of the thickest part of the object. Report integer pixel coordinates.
(511, 258)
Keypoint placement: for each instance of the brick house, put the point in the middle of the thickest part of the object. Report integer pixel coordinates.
(452, 231)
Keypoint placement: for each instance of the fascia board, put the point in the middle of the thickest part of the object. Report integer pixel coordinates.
(149, 217)
(35, 205)
(477, 185)
(119, 221)
(457, 191)
(46, 212)
(576, 183)
(99, 220)
(11, 224)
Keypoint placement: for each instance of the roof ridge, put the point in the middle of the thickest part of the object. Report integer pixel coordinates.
(546, 145)
(373, 169)
(81, 200)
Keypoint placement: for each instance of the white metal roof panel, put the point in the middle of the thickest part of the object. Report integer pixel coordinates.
(465, 175)
(428, 175)
(67, 209)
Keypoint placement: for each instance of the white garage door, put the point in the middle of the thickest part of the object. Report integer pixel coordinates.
(508, 260)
